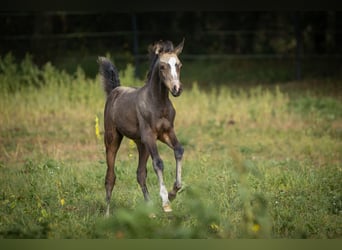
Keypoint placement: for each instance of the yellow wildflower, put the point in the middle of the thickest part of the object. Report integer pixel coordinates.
(255, 228)
(214, 227)
(62, 201)
(97, 129)
(131, 144)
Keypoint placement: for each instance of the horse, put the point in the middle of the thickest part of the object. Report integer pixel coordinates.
(144, 115)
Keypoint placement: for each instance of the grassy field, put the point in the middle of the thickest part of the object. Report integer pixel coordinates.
(261, 161)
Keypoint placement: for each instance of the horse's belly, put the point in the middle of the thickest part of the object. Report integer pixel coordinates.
(124, 113)
(127, 126)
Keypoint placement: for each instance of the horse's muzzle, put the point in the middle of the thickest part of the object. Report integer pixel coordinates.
(176, 91)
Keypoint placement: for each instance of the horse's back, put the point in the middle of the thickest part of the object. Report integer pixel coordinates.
(121, 95)
(123, 90)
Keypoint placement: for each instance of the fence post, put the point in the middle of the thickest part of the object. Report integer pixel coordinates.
(299, 45)
(135, 44)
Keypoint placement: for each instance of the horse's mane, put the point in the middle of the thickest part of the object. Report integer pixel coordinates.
(154, 50)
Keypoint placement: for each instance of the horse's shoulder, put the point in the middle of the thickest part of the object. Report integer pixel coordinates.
(122, 91)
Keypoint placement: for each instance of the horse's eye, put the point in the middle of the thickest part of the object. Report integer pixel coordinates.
(162, 67)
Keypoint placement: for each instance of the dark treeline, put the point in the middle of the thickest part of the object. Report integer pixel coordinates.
(74, 37)
(48, 33)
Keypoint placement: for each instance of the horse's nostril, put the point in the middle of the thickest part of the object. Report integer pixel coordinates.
(176, 90)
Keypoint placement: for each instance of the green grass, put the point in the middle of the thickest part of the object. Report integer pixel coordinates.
(260, 161)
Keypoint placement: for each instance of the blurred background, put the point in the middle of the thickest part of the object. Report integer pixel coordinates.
(260, 121)
(220, 47)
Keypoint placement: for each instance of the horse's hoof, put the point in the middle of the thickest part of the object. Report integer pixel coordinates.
(172, 196)
(107, 213)
(167, 208)
(152, 215)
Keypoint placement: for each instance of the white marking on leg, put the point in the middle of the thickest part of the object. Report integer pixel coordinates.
(164, 194)
(165, 198)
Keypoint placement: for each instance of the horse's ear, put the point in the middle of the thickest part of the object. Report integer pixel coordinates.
(154, 49)
(157, 48)
(179, 47)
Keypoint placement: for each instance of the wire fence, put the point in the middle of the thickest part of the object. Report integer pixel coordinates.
(133, 39)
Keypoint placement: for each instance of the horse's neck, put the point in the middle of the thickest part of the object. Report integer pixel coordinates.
(159, 92)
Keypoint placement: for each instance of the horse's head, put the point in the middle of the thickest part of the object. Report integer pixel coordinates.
(169, 68)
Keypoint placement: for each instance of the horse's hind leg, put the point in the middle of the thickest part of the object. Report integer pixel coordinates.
(112, 142)
(142, 171)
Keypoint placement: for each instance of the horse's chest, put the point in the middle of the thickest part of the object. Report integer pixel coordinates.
(163, 120)
(163, 125)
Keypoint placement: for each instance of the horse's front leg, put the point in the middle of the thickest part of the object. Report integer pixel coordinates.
(171, 140)
(158, 166)
(178, 151)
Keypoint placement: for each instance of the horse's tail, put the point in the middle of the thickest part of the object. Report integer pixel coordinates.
(110, 76)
